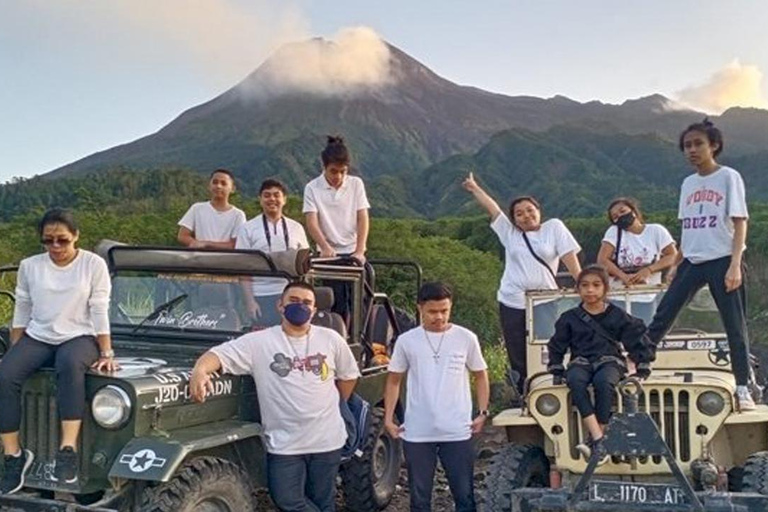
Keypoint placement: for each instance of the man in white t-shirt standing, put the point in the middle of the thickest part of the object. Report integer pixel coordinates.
(213, 224)
(436, 358)
(301, 372)
(336, 208)
(270, 231)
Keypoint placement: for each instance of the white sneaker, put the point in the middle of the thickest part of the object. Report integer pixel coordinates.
(744, 399)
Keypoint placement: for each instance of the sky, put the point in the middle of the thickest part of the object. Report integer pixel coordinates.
(81, 76)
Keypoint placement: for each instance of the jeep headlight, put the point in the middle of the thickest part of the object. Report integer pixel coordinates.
(111, 407)
(548, 404)
(710, 403)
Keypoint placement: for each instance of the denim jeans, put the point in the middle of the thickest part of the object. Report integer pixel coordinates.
(458, 461)
(303, 483)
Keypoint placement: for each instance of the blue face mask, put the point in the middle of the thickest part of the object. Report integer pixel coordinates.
(297, 313)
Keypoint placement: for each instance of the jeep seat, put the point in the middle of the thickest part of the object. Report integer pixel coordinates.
(324, 317)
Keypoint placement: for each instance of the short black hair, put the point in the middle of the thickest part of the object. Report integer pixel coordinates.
(298, 284)
(273, 183)
(708, 128)
(223, 171)
(335, 152)
(58, 216)
(434, 291)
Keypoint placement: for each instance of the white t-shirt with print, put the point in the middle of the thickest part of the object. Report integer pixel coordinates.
(252, 235)
(708, 205)
(337, 210)
(55, 304)
(209, 224)
(639, 250)
(438, 396)
(296, 385)
(522, 271)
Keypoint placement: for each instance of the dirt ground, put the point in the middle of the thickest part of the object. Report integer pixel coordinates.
(488, 443)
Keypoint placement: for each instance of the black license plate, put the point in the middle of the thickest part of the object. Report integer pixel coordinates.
(626, 492)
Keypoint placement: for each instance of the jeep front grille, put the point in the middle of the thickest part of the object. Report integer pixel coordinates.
(40, 424)
(669, 409)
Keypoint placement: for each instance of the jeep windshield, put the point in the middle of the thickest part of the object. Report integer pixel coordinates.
(699, 318)
(173, 291)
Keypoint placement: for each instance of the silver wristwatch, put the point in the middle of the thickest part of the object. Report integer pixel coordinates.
(107, 354)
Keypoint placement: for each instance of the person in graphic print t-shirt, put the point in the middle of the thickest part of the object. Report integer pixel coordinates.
(301, 372)
(269, 232)
(551, 242)
(436, 359)
(213, 224)
(635, 253)
(713, 213)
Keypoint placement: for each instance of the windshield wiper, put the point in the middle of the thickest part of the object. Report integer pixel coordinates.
(165, 307)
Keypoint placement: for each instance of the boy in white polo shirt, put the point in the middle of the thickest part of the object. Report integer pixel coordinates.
(270, 231)
(713, 213)
(213, 224)
(437, 358)
(336, 208)
(301, 372)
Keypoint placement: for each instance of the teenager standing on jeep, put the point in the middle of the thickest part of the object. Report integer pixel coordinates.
(635, 253)
(336, 207)
(268, 232)
(213, 224)
(301, 371)
(533, 251)
(436, 359)
(713, 213)
(60, 320)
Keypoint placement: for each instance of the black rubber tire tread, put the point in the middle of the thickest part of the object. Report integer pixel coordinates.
(755, 475)
(735, 479)
(200, 477)
(515, 466)
(357, 478)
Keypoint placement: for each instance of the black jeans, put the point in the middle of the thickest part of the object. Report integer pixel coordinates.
(303, 483)
(732, 306)
(71, 360)
(513, 329)
(458, 461)
(603, 380)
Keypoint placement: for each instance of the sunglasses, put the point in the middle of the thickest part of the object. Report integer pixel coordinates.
(60, 241)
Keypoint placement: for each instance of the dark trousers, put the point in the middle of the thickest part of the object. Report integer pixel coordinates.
(732, 306)
(342, 291)
(603, 380)
(71, 360)
(513, 328)
(458, 461)
(303, 483)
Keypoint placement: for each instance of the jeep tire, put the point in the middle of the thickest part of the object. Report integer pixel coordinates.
(203, 484)
(369, 481)
(514, 467)
(754, 477)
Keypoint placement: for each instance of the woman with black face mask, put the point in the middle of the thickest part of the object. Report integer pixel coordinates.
(635, 253)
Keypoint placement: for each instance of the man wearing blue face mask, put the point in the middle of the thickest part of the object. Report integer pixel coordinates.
(300, 371)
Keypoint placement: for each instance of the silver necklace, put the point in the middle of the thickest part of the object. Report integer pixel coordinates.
(296, 353)
(435, 352)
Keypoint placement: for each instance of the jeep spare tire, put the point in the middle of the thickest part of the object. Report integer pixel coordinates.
(369, 481)
(204, 484)
(514, 467)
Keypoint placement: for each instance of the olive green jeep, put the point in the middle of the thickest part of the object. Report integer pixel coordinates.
(145, 445)
(676, 440)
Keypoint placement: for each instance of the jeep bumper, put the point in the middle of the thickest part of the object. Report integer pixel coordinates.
(33, 503)
(548, 500)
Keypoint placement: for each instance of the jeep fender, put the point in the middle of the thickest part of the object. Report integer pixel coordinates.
(521, 428)
(156, 458)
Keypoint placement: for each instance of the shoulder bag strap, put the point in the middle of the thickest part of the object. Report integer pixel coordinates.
(595, 326)
(537, 257)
